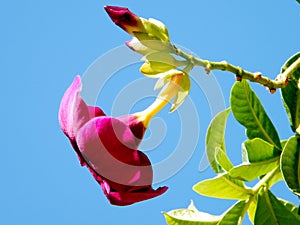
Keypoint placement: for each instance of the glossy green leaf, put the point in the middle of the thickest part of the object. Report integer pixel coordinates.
(223, 160)
(185, 86)
(190, 216)
(258, 150)
(291, 207)
(249, 172)
(223, 186)
(291, 94)
(215, 138)
(248, 110)
(234, 215)
(252, 209)
(290, 164)
(271, 211)
(283, 142)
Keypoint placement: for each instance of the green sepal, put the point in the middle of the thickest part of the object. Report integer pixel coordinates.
(157, 29)
(158, 62)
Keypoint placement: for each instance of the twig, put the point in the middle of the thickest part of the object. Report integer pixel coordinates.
(281, 80)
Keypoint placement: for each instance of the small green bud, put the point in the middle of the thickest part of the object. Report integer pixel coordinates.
(158, 62)
(157, 29)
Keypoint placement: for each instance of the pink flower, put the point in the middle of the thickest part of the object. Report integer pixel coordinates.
(108, 148)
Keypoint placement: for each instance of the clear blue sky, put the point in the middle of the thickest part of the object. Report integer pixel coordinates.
(44, 44)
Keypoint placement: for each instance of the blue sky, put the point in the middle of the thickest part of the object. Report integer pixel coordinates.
(44, 44)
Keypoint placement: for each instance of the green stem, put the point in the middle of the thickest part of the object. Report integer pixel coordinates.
(280, 82)
(265, 180)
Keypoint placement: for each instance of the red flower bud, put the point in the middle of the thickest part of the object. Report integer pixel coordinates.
(125, 19)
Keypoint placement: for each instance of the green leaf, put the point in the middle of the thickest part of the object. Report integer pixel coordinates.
(258, 150)
(248, 110)
(291, 94)
(215, 138)
(290, 164)
(184, 89)
(252, 209)
(270, 211)
(275, 178)
(291, 207)
(234, 215)
(223, 160)
(249, 172)
(283, 143)
(190, 216)
(223, 186)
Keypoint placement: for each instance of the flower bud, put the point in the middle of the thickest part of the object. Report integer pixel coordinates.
(138, 27)
(158, 62)
(139, 47)
(125, 19)
(157, 29)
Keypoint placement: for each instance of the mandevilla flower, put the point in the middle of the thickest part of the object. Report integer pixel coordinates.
(108, 146)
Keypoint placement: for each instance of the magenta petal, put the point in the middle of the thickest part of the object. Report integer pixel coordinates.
(128, 198)
(109, 148)
(95, 111)
(73, 112)
(136, 126)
